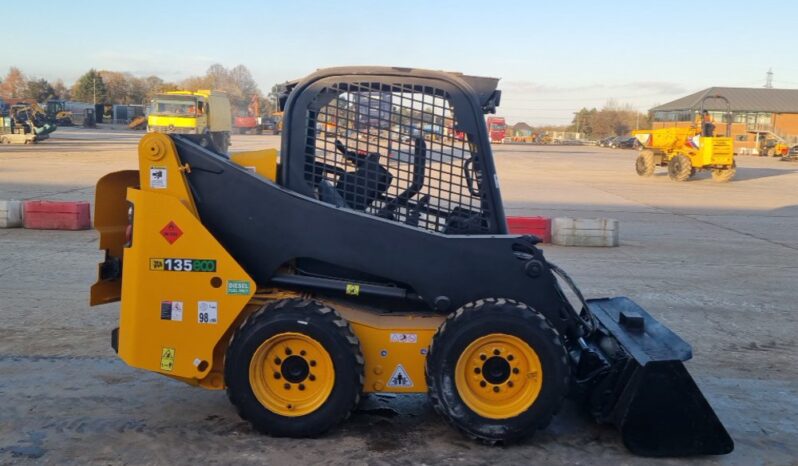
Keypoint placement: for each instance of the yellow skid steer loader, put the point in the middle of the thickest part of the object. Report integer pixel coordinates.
(375, 259)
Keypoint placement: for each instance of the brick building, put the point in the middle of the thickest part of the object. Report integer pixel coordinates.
(759, 115)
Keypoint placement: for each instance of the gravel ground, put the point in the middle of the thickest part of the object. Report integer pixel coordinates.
(715, 262)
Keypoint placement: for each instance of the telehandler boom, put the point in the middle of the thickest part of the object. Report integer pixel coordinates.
(375, 259)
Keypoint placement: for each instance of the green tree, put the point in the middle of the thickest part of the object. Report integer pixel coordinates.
(39, 90)
(583, 121)
(90, 88)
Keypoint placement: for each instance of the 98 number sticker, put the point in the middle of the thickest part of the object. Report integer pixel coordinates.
(207, 312)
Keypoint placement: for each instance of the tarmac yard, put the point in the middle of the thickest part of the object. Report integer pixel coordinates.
(717, 263)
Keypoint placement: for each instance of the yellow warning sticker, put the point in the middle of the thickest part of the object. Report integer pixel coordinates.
(167, 359)
(353, 289)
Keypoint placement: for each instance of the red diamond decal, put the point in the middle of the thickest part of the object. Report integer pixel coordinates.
(171, 232)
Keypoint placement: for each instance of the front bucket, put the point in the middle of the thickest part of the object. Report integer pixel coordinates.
(649, 395)
(662, 412)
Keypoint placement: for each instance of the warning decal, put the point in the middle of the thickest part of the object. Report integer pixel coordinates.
(167, 359)
(172, 310)
(404, 338)
(171, 232)
(158, 177)
(399, 378)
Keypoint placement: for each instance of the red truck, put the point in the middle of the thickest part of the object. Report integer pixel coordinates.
(249, 121)
(497, 129)
(245, 124)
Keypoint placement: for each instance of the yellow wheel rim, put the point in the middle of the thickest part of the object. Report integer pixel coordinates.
(291, 374)
(498, 376)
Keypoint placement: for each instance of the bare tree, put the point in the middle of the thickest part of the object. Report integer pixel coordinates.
(14, 84)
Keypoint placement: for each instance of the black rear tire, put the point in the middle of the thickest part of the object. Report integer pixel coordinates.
(312, 319)
(644, 165)
(680, 168)
(724, 175)
(485, 318)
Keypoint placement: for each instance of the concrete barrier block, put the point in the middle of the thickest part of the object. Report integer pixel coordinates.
(591, 232)
(56, 215)
(10, 214)
(538, 226)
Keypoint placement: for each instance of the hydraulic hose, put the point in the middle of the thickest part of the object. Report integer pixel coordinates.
(586, 317)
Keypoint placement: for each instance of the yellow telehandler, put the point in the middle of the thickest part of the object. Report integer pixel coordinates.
(372, 262)
(686, 150)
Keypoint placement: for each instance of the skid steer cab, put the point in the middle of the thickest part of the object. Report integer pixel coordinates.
(374, 257)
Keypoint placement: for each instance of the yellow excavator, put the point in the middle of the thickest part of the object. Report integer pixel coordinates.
(370, 262)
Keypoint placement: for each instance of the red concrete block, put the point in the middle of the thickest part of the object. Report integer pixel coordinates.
(538, 226)
(56, 215)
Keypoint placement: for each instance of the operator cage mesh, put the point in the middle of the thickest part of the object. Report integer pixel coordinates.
(395, 151)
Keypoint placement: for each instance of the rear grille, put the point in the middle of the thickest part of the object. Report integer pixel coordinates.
(395, 151)
(172, 130)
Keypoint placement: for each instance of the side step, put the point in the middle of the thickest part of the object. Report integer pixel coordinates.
(650, 397)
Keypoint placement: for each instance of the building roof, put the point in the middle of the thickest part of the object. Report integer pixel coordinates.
(742, 99)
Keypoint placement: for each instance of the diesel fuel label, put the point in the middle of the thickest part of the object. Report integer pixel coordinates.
(170, 264)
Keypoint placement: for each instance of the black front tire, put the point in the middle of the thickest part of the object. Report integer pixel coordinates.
(680, 168)
(490, 317)
(321, 323)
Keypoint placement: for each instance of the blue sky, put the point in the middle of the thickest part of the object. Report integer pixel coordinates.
(553, 57)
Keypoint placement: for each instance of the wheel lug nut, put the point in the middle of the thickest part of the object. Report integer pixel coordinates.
(311, 377)
(301, 386)
(515, 370)
(276, 375)
(477, 370)
(483, 357)
(312, 363)
(288, 351)
(302, 353)
(510, 384)
(482, 383)
(277, 361)
(496, 352)
(496, 389)
(287, 386)
(510, 357)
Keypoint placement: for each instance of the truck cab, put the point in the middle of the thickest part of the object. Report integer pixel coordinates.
(204, 113)
(497, 129)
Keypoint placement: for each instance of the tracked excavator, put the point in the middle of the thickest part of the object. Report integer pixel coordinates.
(373, 261)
